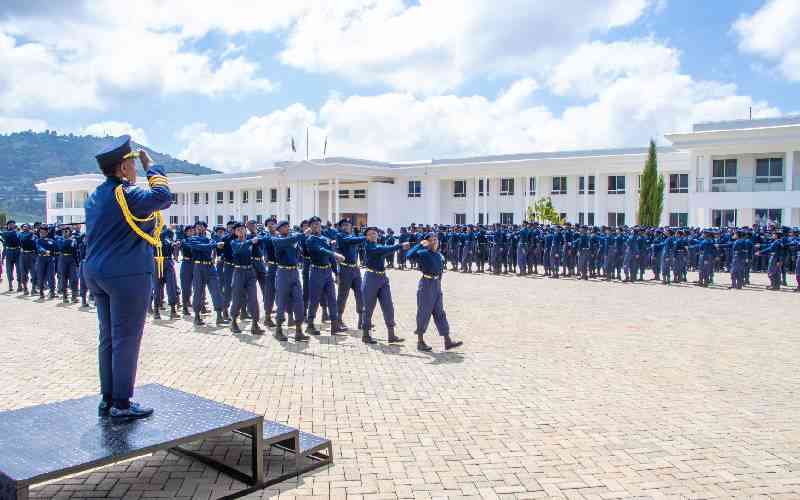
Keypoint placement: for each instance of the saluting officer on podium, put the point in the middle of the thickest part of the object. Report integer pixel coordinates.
(123, 226)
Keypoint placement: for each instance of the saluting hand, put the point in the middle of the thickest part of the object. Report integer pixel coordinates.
(221, 244)
(145, 159)
(425, 243)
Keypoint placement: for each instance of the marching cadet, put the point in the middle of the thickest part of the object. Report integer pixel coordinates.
(259, 266)
(83, 287)
(226, 278)
(707, 254)
(244, 284)
(272, 271)
(120, 218)
(740, 248)
(27, 244)
(664, 253)
(66, 246)
(523, 238)
(167, 279)
(320, 281)
(401, 257)
(349, 273)
(776, 251)
(376, 285)
(45, 264)
(288, 294)
(631, 259)
(583, 248)
(187, 267)
(430, 301)
(204, 274)
(11, 254)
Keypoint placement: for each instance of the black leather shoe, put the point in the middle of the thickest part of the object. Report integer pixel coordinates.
(104, 409)
(367, 338)
(394, 339)
(451, 344)
(235, 326)
(134, 412)
(312, 330)
(173, 313)
(269, 323)
(422, 346)
(198, 321)
(255, 329)
(279, 334)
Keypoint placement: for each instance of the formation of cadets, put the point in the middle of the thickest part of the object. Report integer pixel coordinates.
(293, 273)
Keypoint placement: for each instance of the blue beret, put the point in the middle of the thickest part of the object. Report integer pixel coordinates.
(114, 152)
(372, 228)
(314, 219)
(282, 223)
(344, 221)
(237, 225)
(431, 235)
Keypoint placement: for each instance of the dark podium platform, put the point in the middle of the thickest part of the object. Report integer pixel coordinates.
(44, 442)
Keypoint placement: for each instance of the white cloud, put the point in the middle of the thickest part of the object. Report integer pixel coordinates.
(634, 101)
(77, 60)
(438, 44)
(772, 33)
(10, 124)
(112, 128)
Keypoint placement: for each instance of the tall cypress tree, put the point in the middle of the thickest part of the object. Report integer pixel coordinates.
(651, 192)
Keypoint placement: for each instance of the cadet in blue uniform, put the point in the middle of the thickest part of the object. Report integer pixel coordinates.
(45, 263)
(376, 285)
(187, 268)
(67, 247)
(320, 280)
(777, 251)
(11, 253)
(119, 265)
(167, 279)
(244, 286)
(430, 301)
(27, 247)
(288, 295)
(349, 272)
(204, 275)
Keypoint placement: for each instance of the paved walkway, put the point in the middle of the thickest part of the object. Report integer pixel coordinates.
(563, 389)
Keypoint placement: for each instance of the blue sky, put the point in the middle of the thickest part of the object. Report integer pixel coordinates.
(228, 85)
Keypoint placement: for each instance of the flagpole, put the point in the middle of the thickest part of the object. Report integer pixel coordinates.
(306, 143)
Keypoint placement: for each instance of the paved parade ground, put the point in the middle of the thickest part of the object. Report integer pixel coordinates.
(562, 389)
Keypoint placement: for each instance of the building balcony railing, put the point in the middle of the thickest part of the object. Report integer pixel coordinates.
(742, 184)
(66, 204)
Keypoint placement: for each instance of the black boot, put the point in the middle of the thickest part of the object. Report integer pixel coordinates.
(221, 320)
(337, 327)
(312, 330)
(74, 299)
(173, 312)
(186, 310)
(84, 304)
(268, 322)
(255, 329)
(198, 321)
(367, 338)
(279, 333)
(65, 299)
(235, 326)
(421, 345)
(157, 313)
(393, 339)
(298, 333)
(450, 343)
(225, 315)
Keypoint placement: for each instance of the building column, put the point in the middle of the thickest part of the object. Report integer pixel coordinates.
(475, 209)
(586, 195)
(788, 171)
(337, 214)
(706, 171)
(331, 194)
(600, 199)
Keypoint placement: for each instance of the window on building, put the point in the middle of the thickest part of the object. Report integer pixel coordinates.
(205, 198)
(563, 216)
(344, 194)
(196, 198)
(459, 189)
(507, 186)
(259, 196)
(616, 184)
(532, 186)
(482, 218)
(245, 218)
(288, 194)
(245, 196)
(230, 197)
(559, 185)
(231, 217)
(582, 185)
(174, 198)
(360, 194)
(678, 219)
(769, 170)
(723, 218)
(173, 219)
(220, 220)
(765, 216)
(460, 219)
(259, 218)
(723, 172)
(220, 197)
(59, 219)
(273, 195)
(586, 218)
(484, 187)
(506, 217)
(414, 189)
(616, 219)
(678, 183)
(196, 219)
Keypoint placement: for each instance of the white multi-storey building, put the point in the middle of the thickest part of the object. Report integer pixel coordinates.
(722, 173)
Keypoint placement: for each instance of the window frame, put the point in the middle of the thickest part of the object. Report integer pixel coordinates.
(507, 218)
(507, 186)
(562, 183)
(460, 218)
(414, 189)
(616, 189)
(462, 193)
(344, 194)
(678, 186)
(359, 194)
(771, 177)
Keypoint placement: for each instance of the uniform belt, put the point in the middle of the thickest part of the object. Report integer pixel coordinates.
(306, 258)
(260, 259)
(326, 266)
(206, 262)
(379, 273)
(12, 248)
(187, 259)
(62, 253)
(227, 262)
(431, 277)
(345, 264)
(271, 262)
(27, 251)
(237, 266)
(286, 267)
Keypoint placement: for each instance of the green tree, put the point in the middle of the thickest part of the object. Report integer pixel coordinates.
(3, 218)
(651, 192)
(542, 210)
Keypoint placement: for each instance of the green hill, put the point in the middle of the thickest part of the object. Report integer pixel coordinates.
(28, 157)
